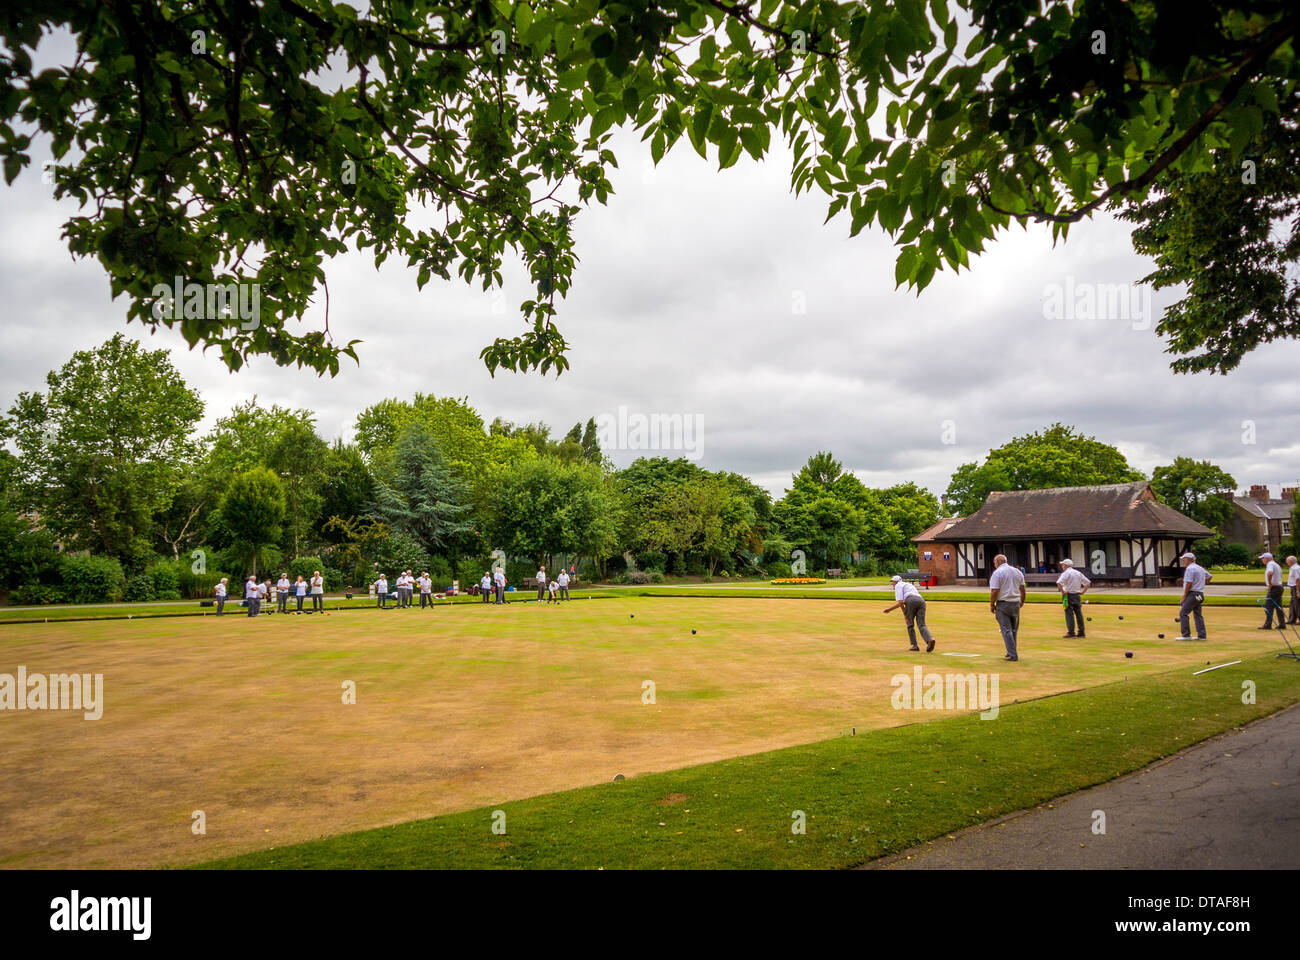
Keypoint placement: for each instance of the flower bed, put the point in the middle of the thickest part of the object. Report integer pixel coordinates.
(797, 580)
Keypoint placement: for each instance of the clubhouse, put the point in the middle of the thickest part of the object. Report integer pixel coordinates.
(1118, 534)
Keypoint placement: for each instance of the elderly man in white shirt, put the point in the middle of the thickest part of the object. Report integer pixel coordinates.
(426, 590)
(541, 583)
(1293, 583)
(913, 604)
(250, 595)
(563, 580)
(317, 592)
(282, 593)
(221, 591)
(1006, 601)
(1195, 577)
(1073, 585)
(1272, 583)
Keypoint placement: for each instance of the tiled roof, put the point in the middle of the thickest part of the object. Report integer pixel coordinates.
(942, 525)
(1116, 509)
(1266, 509)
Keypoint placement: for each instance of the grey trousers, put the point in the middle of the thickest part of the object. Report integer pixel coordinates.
(914, 614)
(1008, 614)
(1295, 605)
(541, 590)
(221, 605)
(1192, 604)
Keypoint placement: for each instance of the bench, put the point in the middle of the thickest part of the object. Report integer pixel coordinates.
(1041, 578)
(920, 579)
(831, 574)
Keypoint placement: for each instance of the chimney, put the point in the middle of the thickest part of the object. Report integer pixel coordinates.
(1259, 492)
(1288, 493)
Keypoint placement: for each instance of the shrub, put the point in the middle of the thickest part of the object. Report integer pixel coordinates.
(470, 570)
(615, 565)
(333, 578)
(656, 576)
(165, 579)
(695, 567)
(35, 595)
(642, 577)
(651, 560)
(777, 568)
(92, 579)
(139, 589)
(305, 566)
(439, 572)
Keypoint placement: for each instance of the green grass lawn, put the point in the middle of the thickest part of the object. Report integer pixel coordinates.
(862, 796)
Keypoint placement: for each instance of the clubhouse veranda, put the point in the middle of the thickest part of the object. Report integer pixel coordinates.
(1120, 533)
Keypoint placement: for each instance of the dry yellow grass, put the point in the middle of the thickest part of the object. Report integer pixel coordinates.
(468, 705)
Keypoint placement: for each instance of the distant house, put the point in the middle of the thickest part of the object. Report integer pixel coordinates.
(1258, 521)
(1119, 534)
(934, 559)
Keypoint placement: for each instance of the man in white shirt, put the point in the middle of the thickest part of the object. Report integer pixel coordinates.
(381, 590)
(408, 589)
(1273, 583)
(282, 593)
(426, 590)
(913, 604)
(1195, 577)
(485, 587)
(541, 583)
(1073, 585)
(250, 595)
(1006, 600)
(1293, 582)
(221, 592)
(499, 583)
(317, 592)
(563, 580)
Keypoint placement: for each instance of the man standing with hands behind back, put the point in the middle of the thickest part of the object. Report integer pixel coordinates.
(1272, 583)
(1006, 598)
(1073, 585)
(1293, 581)
(1195, 577)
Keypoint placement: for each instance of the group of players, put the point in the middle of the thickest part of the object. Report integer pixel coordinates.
(258, 592)
(1007, 600)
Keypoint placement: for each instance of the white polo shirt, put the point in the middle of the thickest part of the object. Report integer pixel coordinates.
(1196, 575)
(250, 590)
(1072, 580)
(1273, 574)
(485, 583)
(1007, 581)
(283, 585)
(563, 578)
(426, 585)
(499, 576)
(1293, 578)
(318, 585)
(903, 590)
(221, 589)
(541, 577)
(300, 588)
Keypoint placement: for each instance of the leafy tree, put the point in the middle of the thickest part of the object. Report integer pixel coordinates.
(207, 138)
(910, 510)
(1196, 488)
(591, 442)
(418, 496)
(299, 457)
(345, 491)
(1230, 236)
(101, 452)
(1058, 457)
(252, 510)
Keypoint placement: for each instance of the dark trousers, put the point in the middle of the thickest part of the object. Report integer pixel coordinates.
(1192, 604)
(485, 594)
(318, 602)
(500, 592)
(1274, 605)
(283, 601)
(299, 598)
(541, 590)
(221, 604)
(1074, 614)
(914, 614)
(254, 606)
(426, 600)
(564, 591)
(1295, 605)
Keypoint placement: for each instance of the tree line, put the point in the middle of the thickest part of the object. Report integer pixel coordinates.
(107, 491)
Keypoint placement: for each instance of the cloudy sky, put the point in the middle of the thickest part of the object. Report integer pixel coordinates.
(723, 298)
